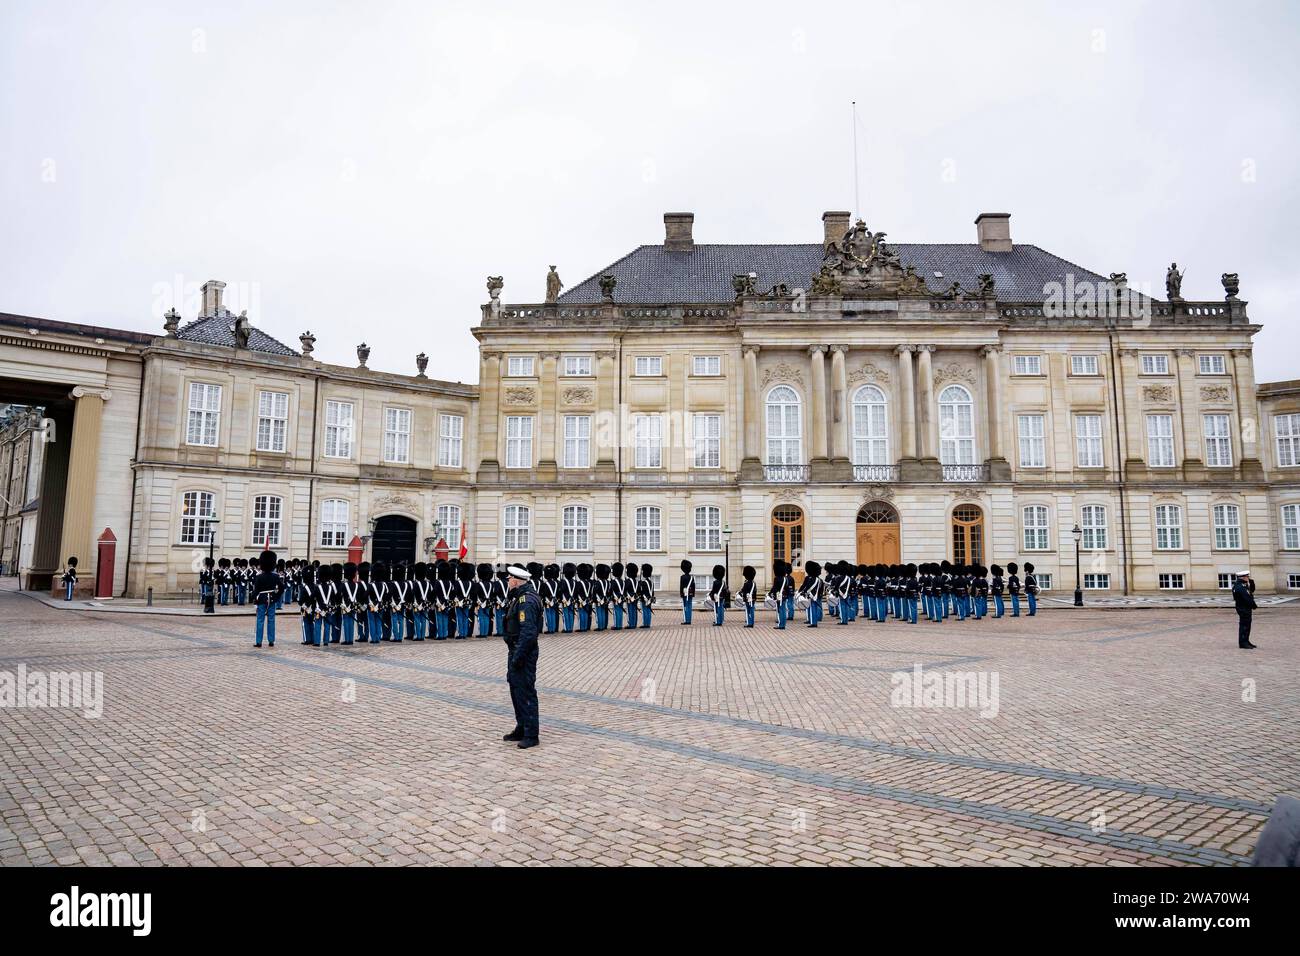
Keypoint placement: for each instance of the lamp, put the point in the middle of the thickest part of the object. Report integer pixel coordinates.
(1077, 533)
(726, 540)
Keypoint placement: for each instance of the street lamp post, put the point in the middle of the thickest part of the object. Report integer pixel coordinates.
(212, 543)
(726, 540)
(1078, 587)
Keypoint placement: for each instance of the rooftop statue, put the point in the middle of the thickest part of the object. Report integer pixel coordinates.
(553, 285)
(1174, 283)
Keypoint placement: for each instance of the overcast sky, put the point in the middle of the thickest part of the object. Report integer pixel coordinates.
(359, 169)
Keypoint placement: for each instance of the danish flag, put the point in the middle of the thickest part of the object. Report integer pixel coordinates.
(464, 550)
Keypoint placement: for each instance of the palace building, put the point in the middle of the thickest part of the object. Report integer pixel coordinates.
(845, 397)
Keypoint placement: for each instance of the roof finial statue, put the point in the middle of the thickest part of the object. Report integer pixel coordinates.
(1174, 283)
(494, 284)
(1231, 284)
(363, 353)
(421, 363)
(553, 286)
(242, 330)
(308, 342)
(607, 284)
(171, 322)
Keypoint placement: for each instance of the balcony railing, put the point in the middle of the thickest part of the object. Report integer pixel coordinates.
(785, 473)
(877, 473)
(965, 472)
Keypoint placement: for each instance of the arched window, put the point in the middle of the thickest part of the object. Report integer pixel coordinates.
(333, 523)
(956, 427)
(649, 522)
(268, 510)
(575, 528)
(784, 427)
(708, 528)
(449, 523)
(870, 427)
(517, 526)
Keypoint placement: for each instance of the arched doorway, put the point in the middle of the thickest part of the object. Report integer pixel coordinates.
(394, 540)
(878, 534)
(788, 536)
(968, 535)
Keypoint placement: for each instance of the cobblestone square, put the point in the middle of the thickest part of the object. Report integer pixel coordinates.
(1120, 737)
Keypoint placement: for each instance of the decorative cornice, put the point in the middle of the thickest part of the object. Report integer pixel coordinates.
(954, 373)
(520, 396)
(782, 373)
(1158, 393)
(578, 395)
(968, 494)
(1216, 394)
(869, 372)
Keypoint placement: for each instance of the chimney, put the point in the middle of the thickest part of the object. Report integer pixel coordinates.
(994, 230)
(677, 231)
(834, 226)
(212, 297)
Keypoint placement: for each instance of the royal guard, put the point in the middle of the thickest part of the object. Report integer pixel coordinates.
(600, 599)
(718, 596)
(549, 592)
(1013, 587)
(686, 591)
(617, 586)
(500, 593)
(748, 593)
(646, 594)
(584, 597)
(69, 579)
(1031, 589)
(568, 593)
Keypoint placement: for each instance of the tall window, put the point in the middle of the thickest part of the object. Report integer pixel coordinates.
(517, 525)
(449, 522)
(519, 441)
(1036, 528)
(956, 427)
(1169, 528)
(1087, 440)
(451, 432)
(1211, 364)
(197, 507)
(649, 435)
(1083, 365)
(575, 525)
(1033, 451)
(519, 366)
(1291, 527)
(1227, 527)
(205, 415)
(784, 426)
(870, 427)
(272, 420)
(338, 429)
(1160, 441)
(708, 441)
(1093, 522)
(577, 441)
(397, 435)
(648, 521)
(267, 513)
(708, 528)
(333, 523)
(649, 365)
(1155, 365)
(706, 365)
(577, 365)
(1027, 365)
(1286, 429)
(1218, 443)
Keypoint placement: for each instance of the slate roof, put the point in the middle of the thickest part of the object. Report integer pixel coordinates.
(652, 274)
(218, 330)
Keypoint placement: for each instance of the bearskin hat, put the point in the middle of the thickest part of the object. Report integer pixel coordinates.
(748, 572)
(718, 572)
(1012, 567)
(1029, 568)
(630, 569)
(647, 571)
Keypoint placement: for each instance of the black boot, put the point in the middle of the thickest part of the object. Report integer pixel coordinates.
(516, 734)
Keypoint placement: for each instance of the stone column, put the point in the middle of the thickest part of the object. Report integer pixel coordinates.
(607, 422)
(753, 408)
(489, 416)
(79, 498)
(993, 396)
(906, 402)
(839, 411)
(1249, 423)
(818, 402)
(925, 403)
(1189, 406)
(1128, 385)
(547, 412)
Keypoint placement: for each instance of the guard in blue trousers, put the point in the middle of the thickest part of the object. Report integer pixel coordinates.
(646, 595)
(444, 599)
(718, 595)
(69, 579)
(960, 591)
(483, 599)
(311, 613)
(811, 591)
(631, 594)
(266, 591)
(600, 598)
(568, 595)
(748, 593)
(617, 587)
(1013, 587)
(583, 597)
(399, 594)
(223, 582)
(464, 600)
(911, 591)
(549, 592)
(421, 599)
(500, 591)
(782, 585)
(686, 591)
(378, 601)
(207, 585)
(1031, 589)
(997, 587)
(351, 599)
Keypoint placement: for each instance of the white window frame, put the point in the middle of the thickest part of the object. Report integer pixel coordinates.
(1084, 365)
(1036, 524)
(1212, 363)
(203, 422)
(648, 436)
(1169, 527)
(397, 435)
(956, 426)
(1153, 363)
(334, 522)
(577, 366)
(1171, 581)
(338, 433)
(1286, 435)
(451, 441)
(707, 432)
(1291, 527)
(194, 530)
(272, 420)
(1026, 365)
(648, 366)
(1093, 519)
(648, 528)
(708, 528)
(520, 366)
(575, 528)
(870, 427)
(271, 518)
(1160, 440)
(1227, 526)
(519, 445)
(445, 523)
(1293, 582)
(1226, 581)
(783, 413)
(1096, 581)
(516, 528)
(706, 366)
(577, 442)
(1217, 432)
(1033, 447)
(1088, 447)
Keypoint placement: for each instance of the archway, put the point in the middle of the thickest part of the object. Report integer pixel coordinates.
(878, 534)
(394, 540)
(968, 535)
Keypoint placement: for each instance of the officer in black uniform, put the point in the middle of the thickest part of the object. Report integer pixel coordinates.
(522, 625)
(1244, 601)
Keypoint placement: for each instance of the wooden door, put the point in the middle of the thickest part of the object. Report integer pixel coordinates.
(878, 544)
